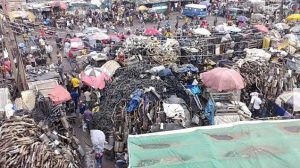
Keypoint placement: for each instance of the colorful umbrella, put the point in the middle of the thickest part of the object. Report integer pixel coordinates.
(223, 79)
(21, 14)
(261, 28)
(293, 17)
(95, 82)
(60, 4)
(59, 95)
(242, 18)
(92, 71)
(151, 32)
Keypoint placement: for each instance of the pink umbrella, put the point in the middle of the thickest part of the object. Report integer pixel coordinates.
(60, 4)
(223, 79)
(95, 82)
(151, 32)
(59, 95)
(261, 28)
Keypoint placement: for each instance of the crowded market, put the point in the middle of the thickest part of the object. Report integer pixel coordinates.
(143, 83)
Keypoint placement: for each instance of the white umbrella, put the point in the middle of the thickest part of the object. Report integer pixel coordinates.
(281, 26)
(92, 71)
(99, 36)
(227, 29)
(92, 30)
(296, 29)
(201, 31)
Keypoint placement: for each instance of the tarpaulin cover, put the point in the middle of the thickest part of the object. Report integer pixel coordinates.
(59, 95)
(252, 144)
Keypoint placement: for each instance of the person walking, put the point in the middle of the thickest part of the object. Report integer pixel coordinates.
(87, 117)
(75, 83)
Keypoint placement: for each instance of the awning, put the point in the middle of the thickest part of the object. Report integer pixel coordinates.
(253, 144)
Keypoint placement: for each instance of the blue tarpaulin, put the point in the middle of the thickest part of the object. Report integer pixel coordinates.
(209, 111)
(135, 100)
(188, 68)
(195, 89)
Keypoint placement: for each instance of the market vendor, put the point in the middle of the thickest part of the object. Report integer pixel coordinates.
(256, 103)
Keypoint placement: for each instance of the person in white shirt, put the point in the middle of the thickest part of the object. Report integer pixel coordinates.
(256, 102)
(87, 95)
(49, 50)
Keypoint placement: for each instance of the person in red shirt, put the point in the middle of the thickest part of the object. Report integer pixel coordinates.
(7, 65)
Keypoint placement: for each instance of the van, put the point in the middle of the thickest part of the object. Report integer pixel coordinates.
(192, 10)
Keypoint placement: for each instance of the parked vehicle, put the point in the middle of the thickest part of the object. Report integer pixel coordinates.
(192, 10)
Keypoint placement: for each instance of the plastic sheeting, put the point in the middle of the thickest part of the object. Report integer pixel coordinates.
(255, 144)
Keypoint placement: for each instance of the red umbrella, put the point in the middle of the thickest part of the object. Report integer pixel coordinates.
(60, 4)
(261, 28)
(59, 95)
(223, 79)
(95, 82)
(151, 32)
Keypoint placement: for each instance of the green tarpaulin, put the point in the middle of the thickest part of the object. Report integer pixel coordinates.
(257, 144)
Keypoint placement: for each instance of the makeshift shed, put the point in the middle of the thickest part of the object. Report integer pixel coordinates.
(43, 86)
(110, 67)
(259, 144)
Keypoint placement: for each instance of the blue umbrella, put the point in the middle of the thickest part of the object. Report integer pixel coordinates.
(242, 18)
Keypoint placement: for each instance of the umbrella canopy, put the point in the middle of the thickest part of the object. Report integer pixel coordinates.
(142, 8)
(59, 95)
(60, 4)
(281, 26)
(223, 79)
(92, 71)
(202, 31)
(227, 29)
(295, 29)
(242, 18)
(293, 17)
(95, 82)
(206, 3)
(261, 28)
(93, 30)
(151, 32)
(99, 36)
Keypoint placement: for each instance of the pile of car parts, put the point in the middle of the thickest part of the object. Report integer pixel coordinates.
(126, 81)
(23, 143)
(271, 80)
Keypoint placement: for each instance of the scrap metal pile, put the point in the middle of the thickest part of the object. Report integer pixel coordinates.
(272, 79)
(23, 143)
(126, 83)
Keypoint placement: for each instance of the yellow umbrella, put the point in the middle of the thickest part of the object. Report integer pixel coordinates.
(142, 8)
(21, 14)
(293, 17)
